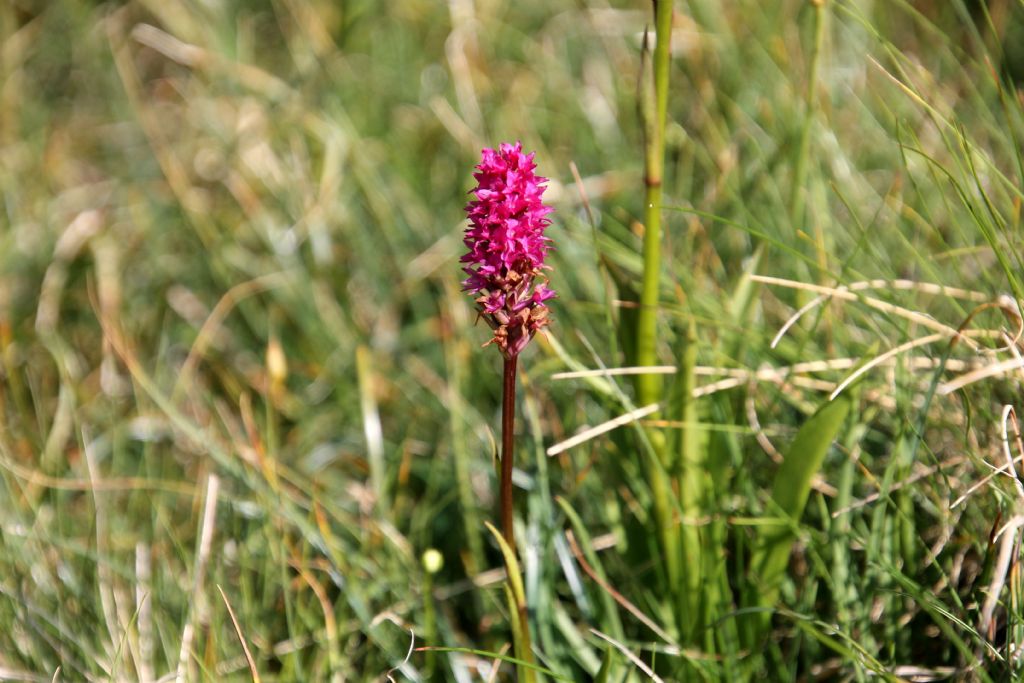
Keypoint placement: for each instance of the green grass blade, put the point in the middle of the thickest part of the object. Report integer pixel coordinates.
(517, 606)
(605, 671)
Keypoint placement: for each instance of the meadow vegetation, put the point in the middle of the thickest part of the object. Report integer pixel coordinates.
(246, 428)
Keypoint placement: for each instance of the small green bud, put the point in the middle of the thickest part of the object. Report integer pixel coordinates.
(432, 561)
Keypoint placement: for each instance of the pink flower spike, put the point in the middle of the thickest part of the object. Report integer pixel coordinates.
(507, 246)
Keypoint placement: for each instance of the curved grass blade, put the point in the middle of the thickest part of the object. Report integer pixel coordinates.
(517, 605)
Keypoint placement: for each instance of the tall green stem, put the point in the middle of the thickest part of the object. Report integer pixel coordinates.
(654, 113)
(649, 386)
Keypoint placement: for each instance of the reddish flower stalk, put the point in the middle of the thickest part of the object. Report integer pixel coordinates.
(507, 248)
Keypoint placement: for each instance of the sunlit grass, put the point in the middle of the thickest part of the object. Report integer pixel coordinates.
(193, 193)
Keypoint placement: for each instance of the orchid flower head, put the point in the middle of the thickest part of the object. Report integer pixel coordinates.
(507, 247)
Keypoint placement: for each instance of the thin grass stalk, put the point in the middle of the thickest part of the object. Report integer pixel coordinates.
(908, 534)
(797, 190)
(432, 562)
(688, 478)
(1015, 630)
(372, 429)
(541, 591)
(609, 612)
(515, 594)
(847, 591)
(470, 516)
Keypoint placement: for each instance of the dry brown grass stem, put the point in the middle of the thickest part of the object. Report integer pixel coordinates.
(496, 664)
(253, 671)
(904, 285)
(783, 376)
(36, 478)
(984, 372)
(616, 595)
(1008, 534)
(198, 604)
(105, 577)
(144, 609)
(637, 662)
(1008, 413)
(918, 363)
(208, 331)
(1008, 468)
(330, 618)
(912, 479)
(614, 372)
(878, 304)
(607, 426)
(902, 348)
(408, 655)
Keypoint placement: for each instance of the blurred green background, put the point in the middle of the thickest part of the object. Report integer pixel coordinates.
(233, 349)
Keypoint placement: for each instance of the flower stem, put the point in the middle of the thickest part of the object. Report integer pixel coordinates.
(508, 421)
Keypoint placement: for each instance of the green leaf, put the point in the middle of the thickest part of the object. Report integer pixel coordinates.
(790, 491)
